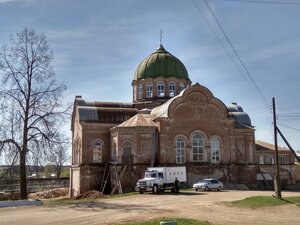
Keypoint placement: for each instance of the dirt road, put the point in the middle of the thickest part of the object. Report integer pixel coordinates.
(197, 205)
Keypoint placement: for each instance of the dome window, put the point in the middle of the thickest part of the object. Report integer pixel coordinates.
(172, 89)
(140, 91)
(160, 89)
(181, 87)
(149, 90)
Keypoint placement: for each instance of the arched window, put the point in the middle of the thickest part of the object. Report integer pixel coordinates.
(97, 151)
(180, 151)
(172, 89)
(140, 91)
(181, 87)
(215, 150)
(114, 155)
(160, 89)
(127, 148)
(198, 147)
(149, 89)
(251, 151)
(134, 93)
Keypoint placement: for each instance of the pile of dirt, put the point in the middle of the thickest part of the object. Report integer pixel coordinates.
(90, 194)
(51, 193)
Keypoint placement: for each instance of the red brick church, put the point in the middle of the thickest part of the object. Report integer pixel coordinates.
(171, 122)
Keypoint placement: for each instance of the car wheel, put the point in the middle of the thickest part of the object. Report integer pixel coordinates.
(219, 188)
(206, 189)
(196, 189)
(141, 192)
(155, 189)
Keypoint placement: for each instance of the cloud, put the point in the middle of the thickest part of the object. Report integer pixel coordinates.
(5, 1)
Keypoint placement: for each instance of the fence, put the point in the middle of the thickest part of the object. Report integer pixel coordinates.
(35, 184)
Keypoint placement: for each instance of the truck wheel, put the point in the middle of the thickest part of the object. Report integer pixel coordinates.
(155, 189)
(141, 192)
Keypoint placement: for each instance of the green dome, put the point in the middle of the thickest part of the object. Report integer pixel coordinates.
(161, 64)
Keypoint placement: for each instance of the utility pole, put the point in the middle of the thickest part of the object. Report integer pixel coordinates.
(277, 184)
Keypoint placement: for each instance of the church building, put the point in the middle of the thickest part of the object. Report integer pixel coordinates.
(170, 122)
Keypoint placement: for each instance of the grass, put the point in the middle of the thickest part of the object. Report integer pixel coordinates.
(262, 201)
(179, 221)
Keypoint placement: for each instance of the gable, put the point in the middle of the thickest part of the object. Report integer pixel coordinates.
(194, 102)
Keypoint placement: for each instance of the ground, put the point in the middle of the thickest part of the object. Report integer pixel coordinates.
(205, 206)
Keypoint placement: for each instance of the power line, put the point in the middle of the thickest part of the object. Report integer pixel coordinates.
(289, 115)
(217, 37)
(256, 88)
(265, 2)
(293, 128)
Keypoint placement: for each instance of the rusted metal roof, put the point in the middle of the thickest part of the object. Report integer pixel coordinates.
(105, 114)
(139, 120)
(261, 145)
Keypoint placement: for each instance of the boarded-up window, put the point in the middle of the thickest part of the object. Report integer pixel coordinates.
(97, 151)
(127, 148)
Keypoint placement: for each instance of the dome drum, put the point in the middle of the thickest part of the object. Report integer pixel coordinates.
(159, 76)
(158, 88)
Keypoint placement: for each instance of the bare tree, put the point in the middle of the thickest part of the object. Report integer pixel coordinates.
(31, 109)
(58, 157)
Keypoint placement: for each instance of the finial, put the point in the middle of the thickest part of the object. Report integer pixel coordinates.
(160, 36)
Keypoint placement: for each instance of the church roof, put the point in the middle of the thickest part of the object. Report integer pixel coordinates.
(162, 110)
(139, 120)
(103, 112)
(242, 119)
(161, 63)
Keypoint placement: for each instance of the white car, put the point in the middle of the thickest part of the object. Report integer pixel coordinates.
(208, 184)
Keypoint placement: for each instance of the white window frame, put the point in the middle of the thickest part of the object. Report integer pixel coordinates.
(172, 89)
(140, 91)
(180, 150)
(149, 90)
(160, 89)
(215, 150)
(197, 148)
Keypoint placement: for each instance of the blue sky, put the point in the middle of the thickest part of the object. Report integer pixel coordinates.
(97, 46)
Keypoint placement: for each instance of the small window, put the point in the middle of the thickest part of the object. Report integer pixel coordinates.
(181, 87)
(160, 89)
(149, 89)
(283, 159)
(261, 159)
(127, 148)
(140, 91)
(172, 89)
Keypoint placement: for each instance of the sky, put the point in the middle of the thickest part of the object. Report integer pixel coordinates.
(97, 46)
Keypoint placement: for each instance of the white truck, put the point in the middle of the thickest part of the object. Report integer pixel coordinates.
(158, 179)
